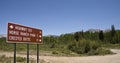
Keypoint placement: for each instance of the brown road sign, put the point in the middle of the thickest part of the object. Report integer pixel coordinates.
(22, 34)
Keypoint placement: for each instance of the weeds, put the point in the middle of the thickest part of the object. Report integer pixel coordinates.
(4, 59)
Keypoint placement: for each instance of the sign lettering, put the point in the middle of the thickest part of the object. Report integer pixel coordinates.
(19, 33)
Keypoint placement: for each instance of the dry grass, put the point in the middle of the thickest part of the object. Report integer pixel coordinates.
(4, 59)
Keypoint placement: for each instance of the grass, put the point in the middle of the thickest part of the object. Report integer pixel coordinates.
(111, 46)
(4, 59)
(20, 59)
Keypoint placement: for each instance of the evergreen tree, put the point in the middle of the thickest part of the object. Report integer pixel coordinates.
(112, 34)
(76, 36)
(82, 34)
(101, 35)
(112, 31)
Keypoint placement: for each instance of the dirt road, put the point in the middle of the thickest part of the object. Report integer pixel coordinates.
(89, 59)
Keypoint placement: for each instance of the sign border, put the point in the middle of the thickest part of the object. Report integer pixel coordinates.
(23, 42)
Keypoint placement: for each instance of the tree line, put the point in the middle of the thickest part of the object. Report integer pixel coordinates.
(111, 36)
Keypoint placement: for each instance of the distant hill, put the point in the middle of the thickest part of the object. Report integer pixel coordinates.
(93, 30)
(97, 30)
(3, 35)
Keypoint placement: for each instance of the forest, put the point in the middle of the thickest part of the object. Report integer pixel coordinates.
(77, 43)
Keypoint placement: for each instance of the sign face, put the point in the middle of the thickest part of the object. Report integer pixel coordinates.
(18, 33)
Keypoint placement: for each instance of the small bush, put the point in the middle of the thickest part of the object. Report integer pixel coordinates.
(54, 52)
(102, 51)
(20, 59)
(53, 45)
(66, 52)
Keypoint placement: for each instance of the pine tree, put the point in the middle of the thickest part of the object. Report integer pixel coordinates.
(76, 36)
(112, 31)
(101, 35)
(112, 34)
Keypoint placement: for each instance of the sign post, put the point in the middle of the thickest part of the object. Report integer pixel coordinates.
(27, 53)
(22, 34)
(14, 52)
(37, 53)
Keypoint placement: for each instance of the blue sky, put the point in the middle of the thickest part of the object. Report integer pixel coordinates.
(56, 17)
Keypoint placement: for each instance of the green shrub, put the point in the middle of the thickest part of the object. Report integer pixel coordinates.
(66, 52)
(85, 47)
(94, 45)
(55, 52)
(102, 51)
(53, 45)
(20, 59)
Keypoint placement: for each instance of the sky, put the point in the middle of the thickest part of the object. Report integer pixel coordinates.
(57, 17)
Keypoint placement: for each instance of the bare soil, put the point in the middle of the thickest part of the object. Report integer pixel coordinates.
(115, 58)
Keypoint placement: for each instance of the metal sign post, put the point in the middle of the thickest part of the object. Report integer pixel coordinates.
(27, 53)
(37, 53)
(14, 52)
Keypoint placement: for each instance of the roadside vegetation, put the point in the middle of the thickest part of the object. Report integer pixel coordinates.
(4, 59)
(81, 43)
